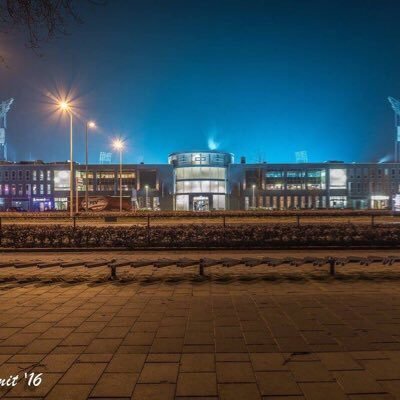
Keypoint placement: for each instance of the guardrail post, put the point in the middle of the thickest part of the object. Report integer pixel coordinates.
(332, 264)
(201, 267)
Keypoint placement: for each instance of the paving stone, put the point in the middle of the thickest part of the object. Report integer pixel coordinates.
(309, 371)
(112, 385)
(103, 346)
(197, 384)
(277, 383)
(197, 363)
(58, 362)
(234, 372)
(339, 361)
(392, 387)
(382, 369)
(159, 373)
(357, 382)
(70, 392)
(268, 362)
(167, 345)
(238, 391)
(151, 391)
(83, 373)
(323, 391)
(126, 363)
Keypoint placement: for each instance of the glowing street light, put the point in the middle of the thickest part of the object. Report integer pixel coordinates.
(91, 125)
(66, 106)
(147, 196)
(118, 145)
(254, 197)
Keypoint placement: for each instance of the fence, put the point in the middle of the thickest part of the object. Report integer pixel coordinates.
(202, 263)
(215, 218)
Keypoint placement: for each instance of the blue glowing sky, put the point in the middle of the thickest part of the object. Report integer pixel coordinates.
(259, 78)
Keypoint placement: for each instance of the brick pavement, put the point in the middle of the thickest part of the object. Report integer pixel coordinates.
(213, 338)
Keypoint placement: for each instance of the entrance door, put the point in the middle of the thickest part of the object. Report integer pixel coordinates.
(201, 203)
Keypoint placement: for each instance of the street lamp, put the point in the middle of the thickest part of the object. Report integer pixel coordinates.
(254, 197)
(65, 106)
(147, 196)
(92, 125)
(118, 145)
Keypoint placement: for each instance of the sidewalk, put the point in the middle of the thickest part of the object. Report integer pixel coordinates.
(208, 339)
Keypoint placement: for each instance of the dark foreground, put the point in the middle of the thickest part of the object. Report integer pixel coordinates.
(237, 334)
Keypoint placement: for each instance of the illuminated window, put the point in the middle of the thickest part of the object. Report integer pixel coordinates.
(274, 186)
(200, 173)
(274, 174)
(218, 202)
(205, 186)
(182, 202)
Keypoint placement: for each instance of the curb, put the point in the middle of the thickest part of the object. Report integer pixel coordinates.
(112, 249)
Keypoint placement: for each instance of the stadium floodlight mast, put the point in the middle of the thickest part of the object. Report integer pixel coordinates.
(119, 145)
(396, 108)
(64, 105)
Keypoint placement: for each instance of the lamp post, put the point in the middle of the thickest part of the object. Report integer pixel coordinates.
(65, 106)
(147, 195)
(118, 145)
(254, 197)
(89, 124)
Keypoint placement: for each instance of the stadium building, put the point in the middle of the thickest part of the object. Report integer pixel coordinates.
(201, 181)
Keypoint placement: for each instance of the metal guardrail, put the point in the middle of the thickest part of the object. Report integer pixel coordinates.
(203, 263)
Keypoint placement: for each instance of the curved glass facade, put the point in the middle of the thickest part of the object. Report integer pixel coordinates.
(200, 180)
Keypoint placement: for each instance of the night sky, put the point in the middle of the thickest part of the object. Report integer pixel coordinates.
(260, 78)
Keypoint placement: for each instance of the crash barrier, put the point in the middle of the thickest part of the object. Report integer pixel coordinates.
(113, 265)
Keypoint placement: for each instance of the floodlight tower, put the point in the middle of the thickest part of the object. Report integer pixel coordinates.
(4, 109)
(396, 108)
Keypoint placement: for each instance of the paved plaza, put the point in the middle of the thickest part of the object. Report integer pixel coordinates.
(289, 334)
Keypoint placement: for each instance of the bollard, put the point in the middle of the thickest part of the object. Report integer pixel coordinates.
(224, 221)
(113, 268)
(332, 263)
(201, 267)
(298, 220)
(372, 220)
(148, 229)
(74, 221)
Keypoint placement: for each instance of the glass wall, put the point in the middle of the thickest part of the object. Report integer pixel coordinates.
(200, 186)
(200, 173)
(182, 202)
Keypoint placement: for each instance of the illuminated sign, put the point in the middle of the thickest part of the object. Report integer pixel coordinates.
(337, 178)
(61, 180)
